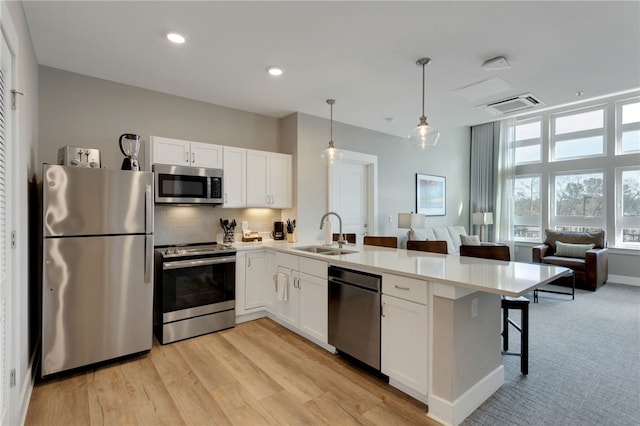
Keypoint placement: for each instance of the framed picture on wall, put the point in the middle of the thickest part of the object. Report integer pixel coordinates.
(431, 195)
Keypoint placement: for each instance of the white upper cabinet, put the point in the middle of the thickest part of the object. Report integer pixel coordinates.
(252, 178)
(280, 180)
(235, 177)
(170, 151)
(186, 153)
(257, 185)
(269, 179)
(206, 155)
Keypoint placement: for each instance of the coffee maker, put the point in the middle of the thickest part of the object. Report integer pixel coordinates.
(278, 231)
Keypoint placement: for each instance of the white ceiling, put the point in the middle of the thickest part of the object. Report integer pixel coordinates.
(361, 53)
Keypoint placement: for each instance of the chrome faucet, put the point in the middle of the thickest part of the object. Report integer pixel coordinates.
(341, 239)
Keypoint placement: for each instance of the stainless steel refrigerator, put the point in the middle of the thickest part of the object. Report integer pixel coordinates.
(97, 301)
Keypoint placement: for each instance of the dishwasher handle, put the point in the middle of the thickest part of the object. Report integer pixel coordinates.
(338, 281)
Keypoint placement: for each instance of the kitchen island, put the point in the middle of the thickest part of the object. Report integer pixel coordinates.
(443, 347)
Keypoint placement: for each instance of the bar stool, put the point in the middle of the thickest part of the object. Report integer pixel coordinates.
(501, 252)
(351, 238)
(522, 304)
(433, 246)
(391, 242)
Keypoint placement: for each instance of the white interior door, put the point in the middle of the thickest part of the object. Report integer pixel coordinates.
(353, 191)
(7, 199)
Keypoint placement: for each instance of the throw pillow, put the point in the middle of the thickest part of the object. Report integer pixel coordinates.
(572, 250)
(470, 240)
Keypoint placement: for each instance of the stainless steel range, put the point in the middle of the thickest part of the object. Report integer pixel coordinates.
(194, 290)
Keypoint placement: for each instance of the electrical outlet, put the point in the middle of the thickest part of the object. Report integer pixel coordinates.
(390, 218)
(474, 307)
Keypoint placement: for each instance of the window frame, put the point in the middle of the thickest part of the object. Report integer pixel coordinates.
(530, 220)
(622, 128)
(580, 221)
(621, 220)
(580, 134)
(523, 143)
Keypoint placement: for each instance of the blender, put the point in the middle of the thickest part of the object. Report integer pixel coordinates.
(130, 146)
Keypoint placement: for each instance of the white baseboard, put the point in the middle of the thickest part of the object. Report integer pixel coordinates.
(250, 317)
(622, 279)
(323, 345)
(453, 413)
(412, 393)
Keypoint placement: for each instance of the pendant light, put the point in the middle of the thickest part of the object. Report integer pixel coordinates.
(331, 155)
(423, 135)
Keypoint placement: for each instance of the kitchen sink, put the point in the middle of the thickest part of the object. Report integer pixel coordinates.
(328, 250)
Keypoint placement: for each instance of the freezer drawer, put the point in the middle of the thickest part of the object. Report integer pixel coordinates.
(97, 300)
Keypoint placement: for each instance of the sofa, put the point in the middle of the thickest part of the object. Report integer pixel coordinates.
(450, 234)
(583, 252)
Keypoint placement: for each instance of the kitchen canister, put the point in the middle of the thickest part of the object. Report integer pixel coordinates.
(229, 236)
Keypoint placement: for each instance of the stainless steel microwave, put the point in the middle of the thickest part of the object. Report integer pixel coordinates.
(187, 185)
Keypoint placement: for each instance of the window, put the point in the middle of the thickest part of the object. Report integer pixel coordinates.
(628, 126)
(527, 223)
(587, 174)
(628, 206)
(577, 201)
(578, 134)
(528, 137)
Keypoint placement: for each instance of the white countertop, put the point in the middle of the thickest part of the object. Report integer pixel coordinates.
(490, 276)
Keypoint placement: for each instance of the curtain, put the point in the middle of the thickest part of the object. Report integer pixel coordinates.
(484, 160)
(505, 179)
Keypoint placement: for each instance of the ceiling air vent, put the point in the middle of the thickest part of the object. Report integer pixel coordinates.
(512, 104)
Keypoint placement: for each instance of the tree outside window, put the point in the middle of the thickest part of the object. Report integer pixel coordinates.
(527, 207)
(579, 195)
(631, 206)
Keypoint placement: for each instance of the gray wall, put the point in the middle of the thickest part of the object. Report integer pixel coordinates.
(398, 163)
(83, 111)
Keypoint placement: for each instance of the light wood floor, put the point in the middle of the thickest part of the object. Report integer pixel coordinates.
(256, 373)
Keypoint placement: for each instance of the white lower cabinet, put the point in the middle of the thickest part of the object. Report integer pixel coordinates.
(252, 279)
(305, 309)
(255, 280)
(404, 328)
(270, 296)
(312, 301)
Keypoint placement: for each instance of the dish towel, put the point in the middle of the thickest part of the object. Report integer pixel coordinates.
(282, 284)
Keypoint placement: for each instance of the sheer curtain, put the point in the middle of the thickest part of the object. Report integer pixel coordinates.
(484, 160)
(505, 179)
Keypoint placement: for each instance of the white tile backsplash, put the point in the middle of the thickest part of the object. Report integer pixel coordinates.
(194, 224)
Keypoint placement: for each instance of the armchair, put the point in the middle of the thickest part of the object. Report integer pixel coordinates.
(589, 265)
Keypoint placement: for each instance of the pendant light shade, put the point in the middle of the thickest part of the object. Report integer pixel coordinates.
(331, 155)
(424, 136)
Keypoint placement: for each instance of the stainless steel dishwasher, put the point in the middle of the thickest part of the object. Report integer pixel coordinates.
(354, 314)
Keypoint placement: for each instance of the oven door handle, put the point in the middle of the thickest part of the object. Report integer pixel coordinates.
(197, 262)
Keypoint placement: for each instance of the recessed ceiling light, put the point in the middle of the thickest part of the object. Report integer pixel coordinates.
(580, 93)
(176, 38)
(275, 71)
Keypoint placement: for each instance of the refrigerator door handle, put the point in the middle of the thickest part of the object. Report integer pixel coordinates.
(148, 209)
(148, 257)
